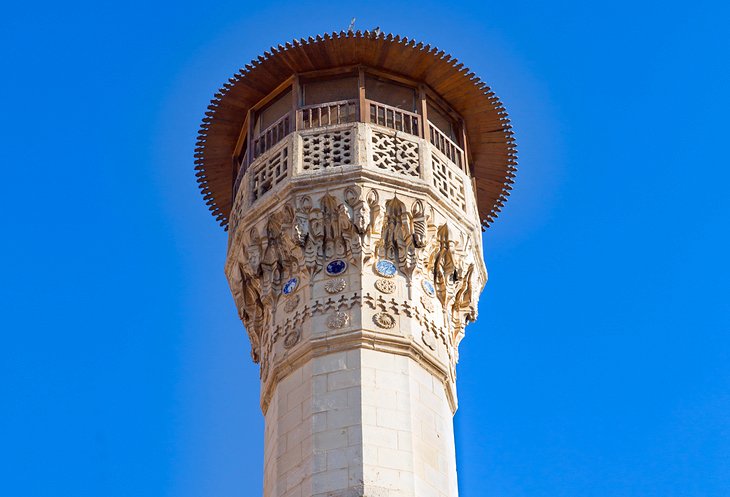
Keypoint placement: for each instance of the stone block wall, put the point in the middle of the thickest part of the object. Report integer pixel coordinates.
(360, 423)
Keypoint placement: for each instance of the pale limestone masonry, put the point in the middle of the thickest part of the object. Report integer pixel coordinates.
(355, 261)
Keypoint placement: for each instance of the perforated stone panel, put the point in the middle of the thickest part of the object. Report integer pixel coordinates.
(270, 172)
(394, 154)
(448, 182)
(328, 149)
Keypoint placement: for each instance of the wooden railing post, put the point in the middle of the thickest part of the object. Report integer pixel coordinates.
(295, 99)
(364, 110)
(424, 111)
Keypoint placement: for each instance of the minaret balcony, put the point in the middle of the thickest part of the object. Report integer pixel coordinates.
(331, 147)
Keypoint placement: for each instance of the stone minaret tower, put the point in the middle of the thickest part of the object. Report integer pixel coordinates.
(355, 173)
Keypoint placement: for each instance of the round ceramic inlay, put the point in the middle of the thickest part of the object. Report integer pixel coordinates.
(385, 268)
(428, 287)
(335, 267)
(290, 285)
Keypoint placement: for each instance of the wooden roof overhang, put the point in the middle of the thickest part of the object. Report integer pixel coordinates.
(491, 146)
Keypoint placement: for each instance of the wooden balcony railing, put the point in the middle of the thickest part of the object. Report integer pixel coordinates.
(394, 118)
(272, 135)
(341, 112)
(445, 145)
(254, 145)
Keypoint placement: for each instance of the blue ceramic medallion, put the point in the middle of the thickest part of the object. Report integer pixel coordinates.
(385, 268)
(428, 288)
(335, 267)
(290, 286)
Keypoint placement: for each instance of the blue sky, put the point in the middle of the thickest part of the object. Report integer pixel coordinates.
(600, 365)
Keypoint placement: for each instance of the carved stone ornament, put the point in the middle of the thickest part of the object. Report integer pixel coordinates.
(427, 303)
(385, 286)
(316, 241)
(352, 194)
(292, 338)
(335, 286)
(338, 320)
(396, 243)
(428, 339)
(384, 320)
(291, 303)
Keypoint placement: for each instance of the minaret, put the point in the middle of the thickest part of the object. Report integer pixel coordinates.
(354, 173)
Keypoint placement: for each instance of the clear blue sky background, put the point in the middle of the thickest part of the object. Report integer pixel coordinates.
(600, 366)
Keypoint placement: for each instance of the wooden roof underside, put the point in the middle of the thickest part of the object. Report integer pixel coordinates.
(492, 152)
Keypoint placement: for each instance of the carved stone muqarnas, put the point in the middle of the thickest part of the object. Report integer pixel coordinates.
(411, 255)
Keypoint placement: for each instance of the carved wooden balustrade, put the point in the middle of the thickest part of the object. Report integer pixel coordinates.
(271, 135)
(394, 118)
(416, 120)
(314, 116)
(447, 146)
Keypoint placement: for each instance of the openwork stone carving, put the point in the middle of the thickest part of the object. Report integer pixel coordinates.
(338, 320)
(335, 286)
(384, 320)
(395, 154)
(323, 150)
(269, 172)
(385, 286)
(448, 182)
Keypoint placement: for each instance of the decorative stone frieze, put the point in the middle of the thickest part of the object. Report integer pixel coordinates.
(361, 243)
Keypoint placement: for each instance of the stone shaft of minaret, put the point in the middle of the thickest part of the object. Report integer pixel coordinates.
(355, 253)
